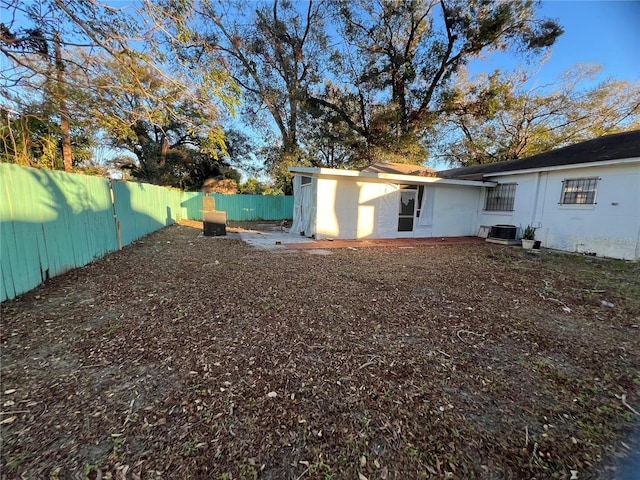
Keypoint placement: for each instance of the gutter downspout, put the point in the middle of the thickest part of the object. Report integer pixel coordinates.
(537, 215)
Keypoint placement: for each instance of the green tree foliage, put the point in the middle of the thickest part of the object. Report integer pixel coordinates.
(329, 139)
(33, 138)
(275, 52)
(346, 83)
(174, 155)
(252, 187)
(31, 38)
(398, 58)
(502, 117)
(113, 71)
(338, 83)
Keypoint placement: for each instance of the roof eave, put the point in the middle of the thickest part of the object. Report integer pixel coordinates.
(386, 177)
(554, 168)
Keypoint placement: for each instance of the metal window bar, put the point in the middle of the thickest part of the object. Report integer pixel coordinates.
(501, 198)
(579, 191)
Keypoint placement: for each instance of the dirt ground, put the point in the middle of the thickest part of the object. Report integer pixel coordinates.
(185, 356)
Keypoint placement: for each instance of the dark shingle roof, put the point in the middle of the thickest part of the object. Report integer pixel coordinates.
(400, 168)
(609, 147)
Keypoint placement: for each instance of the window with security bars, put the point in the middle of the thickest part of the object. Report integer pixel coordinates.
(501, 198)
(579, 191)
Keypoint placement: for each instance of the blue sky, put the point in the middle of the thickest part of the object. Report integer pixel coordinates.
(600, 32)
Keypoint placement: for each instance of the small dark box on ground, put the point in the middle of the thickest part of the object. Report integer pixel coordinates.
(214, 229)
(215, 223)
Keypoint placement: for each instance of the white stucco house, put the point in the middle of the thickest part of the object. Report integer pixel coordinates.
(581, 198)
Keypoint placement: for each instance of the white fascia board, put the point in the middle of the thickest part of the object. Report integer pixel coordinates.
(386, 177)
(604, 163)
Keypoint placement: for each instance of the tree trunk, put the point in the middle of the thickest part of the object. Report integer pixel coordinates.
(64, 113)
(163, 151)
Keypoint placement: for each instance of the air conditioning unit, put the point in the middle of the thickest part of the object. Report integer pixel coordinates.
(503, 234)
(214, 223)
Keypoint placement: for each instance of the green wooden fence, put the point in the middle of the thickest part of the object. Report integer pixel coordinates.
(241, 208)
(142, 208)
(51, 221)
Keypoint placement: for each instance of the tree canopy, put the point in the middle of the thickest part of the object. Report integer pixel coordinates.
(114, 73)
(399, 57)
(346, 83)
(501, 116)
(339, 83)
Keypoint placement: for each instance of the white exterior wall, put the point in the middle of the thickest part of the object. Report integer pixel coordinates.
(455, 211)
(351, 209)
(610, 228)
(524, 205)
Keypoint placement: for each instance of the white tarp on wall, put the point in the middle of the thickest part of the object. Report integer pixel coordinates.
(304, 205)
(428, 200)
(388, 207)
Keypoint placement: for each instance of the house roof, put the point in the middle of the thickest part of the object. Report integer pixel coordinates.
(617, 146)
(398, 178)
(400, 168)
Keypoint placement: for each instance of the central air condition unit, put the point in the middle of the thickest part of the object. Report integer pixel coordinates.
(503, 234)
(215, 223)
